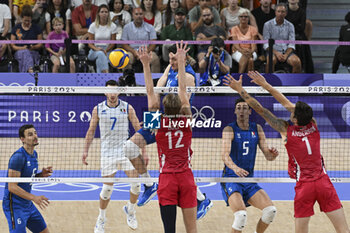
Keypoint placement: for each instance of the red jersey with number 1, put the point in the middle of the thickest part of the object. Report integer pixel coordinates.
(174, 145)
(303, 147)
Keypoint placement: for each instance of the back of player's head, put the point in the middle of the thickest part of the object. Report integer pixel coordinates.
(239, 100)
(111, 83)
(303, 113)
(172, 104)
(24, 128)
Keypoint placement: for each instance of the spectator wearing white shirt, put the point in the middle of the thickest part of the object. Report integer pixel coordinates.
(5, 20)
(119, 16)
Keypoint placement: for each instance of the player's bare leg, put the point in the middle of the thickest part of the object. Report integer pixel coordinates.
(45, 231)
(302, 225)
(190, 217)
(263, 202)
(338, 220)
(138, 162)
(238, 207)
(129, 208)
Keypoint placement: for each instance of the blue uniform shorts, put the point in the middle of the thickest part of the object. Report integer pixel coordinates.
(247, 190)
(147, 135)
(19, 218)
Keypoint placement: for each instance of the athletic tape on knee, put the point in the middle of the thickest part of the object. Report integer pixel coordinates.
(106, 192)
(240, 220)
(135, 188)
(131, 150)
(268, 214)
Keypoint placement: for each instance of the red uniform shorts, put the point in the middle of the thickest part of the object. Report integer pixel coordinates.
(307, 193)
(177, 189)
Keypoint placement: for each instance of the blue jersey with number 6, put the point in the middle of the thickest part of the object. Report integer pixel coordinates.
(243, 149)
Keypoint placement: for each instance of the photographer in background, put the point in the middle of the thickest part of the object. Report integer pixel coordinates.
(128, 79)
(215, 64)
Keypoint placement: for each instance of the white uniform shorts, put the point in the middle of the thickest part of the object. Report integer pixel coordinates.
(110, 165)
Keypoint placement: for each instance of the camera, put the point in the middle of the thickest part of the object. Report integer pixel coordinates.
(36, 69)
(216, 50)
(128, 78)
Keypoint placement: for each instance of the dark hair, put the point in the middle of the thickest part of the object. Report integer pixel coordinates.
(240, 100)
(347, 17)
(154, 6)
(111, 83)
(303, 113)
(168, 13)
(63, 9)
(218, 42)
(27, 11)
(172, 49)
(282, 4)
(111, 5)
(24, 128)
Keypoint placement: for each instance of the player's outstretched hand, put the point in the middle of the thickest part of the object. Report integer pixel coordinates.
(233, 83)
(47, 171)
(240, 172)
(274, 152)
(84, 158)
(181, 51)
(41, 201)
(257, 78)
(143, 54)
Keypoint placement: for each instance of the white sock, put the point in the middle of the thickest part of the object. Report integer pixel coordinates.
(102, 213)
(200, 196)
(131, 207)
(146, 175)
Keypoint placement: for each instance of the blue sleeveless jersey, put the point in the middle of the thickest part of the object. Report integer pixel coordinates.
(28, 166)
(172, 78)
(243, 149)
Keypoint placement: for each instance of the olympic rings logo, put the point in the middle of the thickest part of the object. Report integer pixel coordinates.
(202, 113)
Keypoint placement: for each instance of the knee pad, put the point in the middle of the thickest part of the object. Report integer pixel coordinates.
(240, 220)
(106, 192)
(268, 214)
(135, 188)
(131, 150)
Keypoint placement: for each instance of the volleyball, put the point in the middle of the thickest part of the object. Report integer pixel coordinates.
(119, 58)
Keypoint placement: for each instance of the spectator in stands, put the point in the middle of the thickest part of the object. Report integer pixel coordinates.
(151, 14)
(229, 15)
(119, 16)
(58, 8)
(263, 14)
(258, 3)
(244, 54)
(17, 8)
(5, 20)
(41, 17)
(196, 18)
(215, 65)
(82, 18)
(58, 51)
(342, 53)
(169, 13)
(281, 29)
(3, 48)
(27, 55)
(207, 31)
(297, 16)
(101, 29)
(176, 32)
(140, 30)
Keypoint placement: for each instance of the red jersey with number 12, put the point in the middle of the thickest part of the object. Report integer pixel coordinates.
(174, 145)
(303, 147)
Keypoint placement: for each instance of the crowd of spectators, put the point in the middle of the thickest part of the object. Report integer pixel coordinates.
(201, 20)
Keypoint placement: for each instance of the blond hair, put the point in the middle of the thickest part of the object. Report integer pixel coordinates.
(57, 20)
(172, 104)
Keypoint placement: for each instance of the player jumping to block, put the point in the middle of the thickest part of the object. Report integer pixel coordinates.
(239, 142)
(113, 116)
(306, 165)
(17, 204)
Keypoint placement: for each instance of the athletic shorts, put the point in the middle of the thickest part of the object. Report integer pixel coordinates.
(110, 165)
(147, 135)
(19, 218)
(307, 193)
(177, 189)
(247, 190)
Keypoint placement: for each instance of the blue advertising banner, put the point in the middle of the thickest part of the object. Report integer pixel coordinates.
(69, 116)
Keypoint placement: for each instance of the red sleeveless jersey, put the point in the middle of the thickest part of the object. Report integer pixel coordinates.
(174, 145)
(303, 147)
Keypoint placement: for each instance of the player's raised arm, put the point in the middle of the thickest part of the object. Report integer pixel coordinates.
(181, 56)
(276, 123)
(269, 153)
(145, 58)
(133, 118)
(89, 137)
(258, 79)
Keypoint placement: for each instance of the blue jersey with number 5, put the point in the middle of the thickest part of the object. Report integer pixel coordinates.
(243, 149)
(27, 165)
